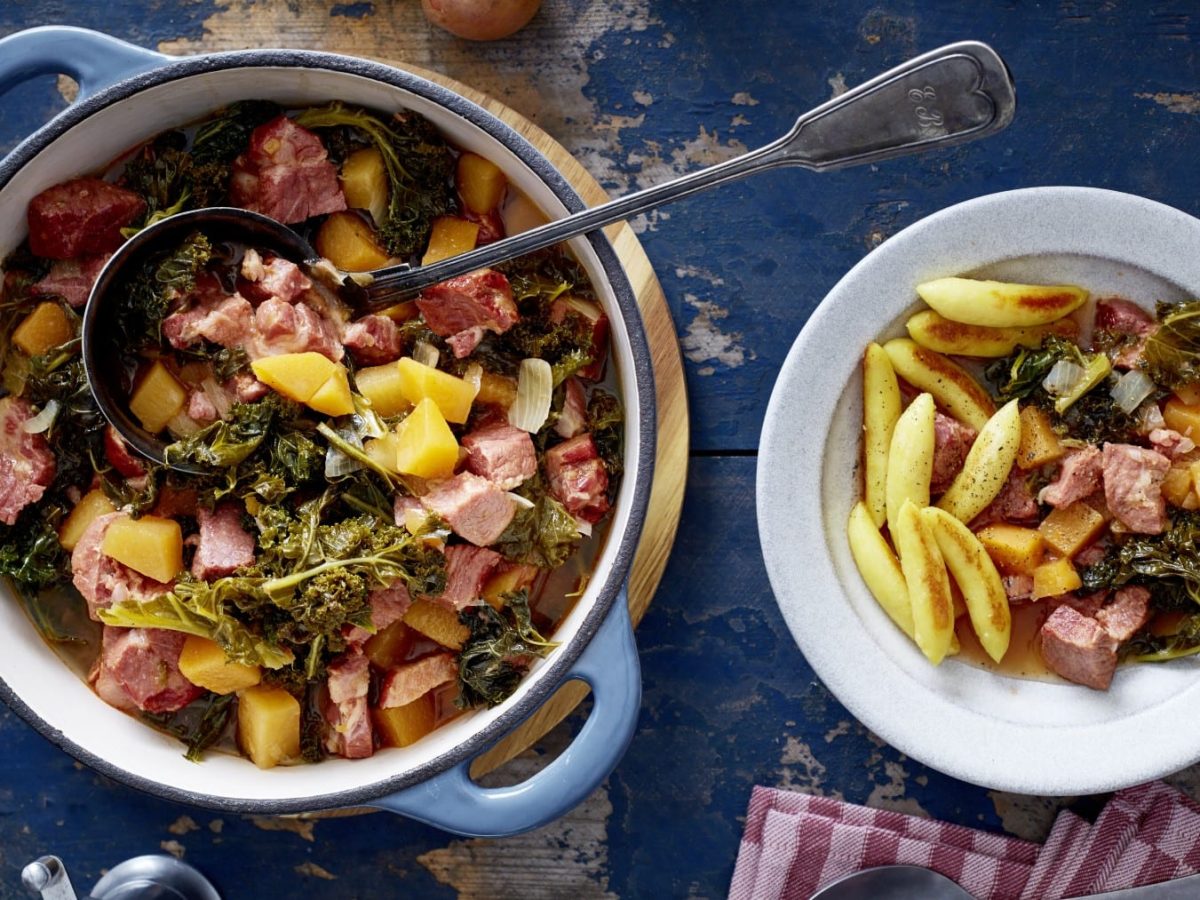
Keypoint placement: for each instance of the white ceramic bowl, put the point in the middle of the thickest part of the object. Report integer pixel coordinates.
(160, 93)
(1013, 734)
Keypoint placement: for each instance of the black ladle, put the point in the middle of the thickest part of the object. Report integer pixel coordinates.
(957, 93)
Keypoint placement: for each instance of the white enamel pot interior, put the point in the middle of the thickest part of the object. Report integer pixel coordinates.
(88, 135)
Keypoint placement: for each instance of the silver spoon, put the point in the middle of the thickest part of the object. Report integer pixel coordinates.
(911, 882)
(957, 93)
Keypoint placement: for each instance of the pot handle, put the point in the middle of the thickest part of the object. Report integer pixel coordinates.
(93, 59)
(453, 802)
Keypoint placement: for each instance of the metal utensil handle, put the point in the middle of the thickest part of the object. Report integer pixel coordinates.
(957, 93)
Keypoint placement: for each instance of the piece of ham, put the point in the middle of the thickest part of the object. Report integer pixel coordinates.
(349, 733)
(1015, 503)
(1123, 317)
(475, 509)
(467, 569)
(81, 217)
(224, 546)
(952, 441)
(225, 320)
(70, 279)
(285, 173)
(1079, 476)
(388, 606)
(1017, 588)
(1078, 648)
(101, 579)
(404, 684)
(1127, 614)
(463, 308)
(138, 669)
(274, 277)
(578, 479)
(573, 419)
(283, 327)
(373, 340)
(27, 463)
(502, 454)
(1133, 478)
(1171, 443)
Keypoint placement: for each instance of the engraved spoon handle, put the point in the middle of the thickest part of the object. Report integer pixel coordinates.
(957, 93)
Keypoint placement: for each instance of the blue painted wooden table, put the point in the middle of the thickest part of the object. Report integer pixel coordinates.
(1109, 96)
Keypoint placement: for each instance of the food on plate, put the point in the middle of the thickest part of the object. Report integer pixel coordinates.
(390, 513)
(1040, 488)
(481, 20)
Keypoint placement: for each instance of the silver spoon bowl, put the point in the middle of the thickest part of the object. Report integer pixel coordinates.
(957, 93)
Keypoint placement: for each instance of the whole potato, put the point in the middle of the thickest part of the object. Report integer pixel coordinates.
(480, 20)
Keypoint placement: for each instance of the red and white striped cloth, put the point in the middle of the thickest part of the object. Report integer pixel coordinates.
(794, 844)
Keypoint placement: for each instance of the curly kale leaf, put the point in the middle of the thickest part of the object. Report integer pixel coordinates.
(498, 651)
(1167, 563)
(199, 725)
(606, 422)
(166, 177)
(419, 166)
(228, 442)
(31, 555)
(1172, 352)
(543, 535)
(1020, 374)
(1184, 640)
(165, 279)
(220, 139)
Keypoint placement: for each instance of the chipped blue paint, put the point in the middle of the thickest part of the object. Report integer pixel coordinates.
(1107, 98)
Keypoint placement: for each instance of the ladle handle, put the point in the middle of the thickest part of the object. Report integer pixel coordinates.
(957, 93)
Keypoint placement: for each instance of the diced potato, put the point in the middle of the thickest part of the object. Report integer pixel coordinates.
(1071, 528)
(975, 574)
(157, 399)
(928, 583)
(437, 623)
(47, 327)
(365, 183)
(1194, 469)
(521, 214)
(1015, 549)
(391, 646)
(400, 726)
(1039, 444)
(930, 330)
(384, 387)
(404, 311)
(910, 457)
(150, 545)
(480, 182)
(295, 375)
(425, 445)
(333, 397)
(952, 386)
(1182, 417)
(1189, 394)
(268, 725)
(1177, 484)
(349, 243)
(511, 579)
(499, 390)
(450, 237)
(204, 664)
(452, 395)
(879, 567)
(1053, 578)
(91, 506)
(881, 409)
(986, 467)
(1000, 304)
(383, 450)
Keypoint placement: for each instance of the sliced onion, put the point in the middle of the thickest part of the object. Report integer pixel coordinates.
(1131, 389)
(426, 354)
(584, 528)
(520, 502)
(1064, 377)
(43, 420)
(474, 376)
(338, 463)
(217, 395)
(1149, 417)
(535, 389)
(181, 425)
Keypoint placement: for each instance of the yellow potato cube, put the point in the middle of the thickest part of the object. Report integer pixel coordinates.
(498, 390)
(391, 646)
(452, 395)
(205, 665)
(480, 182)
(150, 545)
(157, 399)
(512, 579)
(382, 451)
(1189, 394)
(1039, 444)
(1054, 578)
(91, 506)
(365, 183)
(349, 243)
(47, 327)
(268, 725)
(295, 375)
(1177, 484)
(1071, 528)
(400, 726)
(1014, 549)
(1183, 417)
(425, 445)
(384, 387)
(437, 623)
(404, 311)
(450, 237)
(333, 397)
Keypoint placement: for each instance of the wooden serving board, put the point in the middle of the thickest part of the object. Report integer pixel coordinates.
(671, 460)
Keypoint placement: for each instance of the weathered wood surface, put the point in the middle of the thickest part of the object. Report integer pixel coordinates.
(1109, 96)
